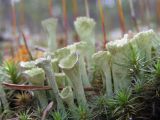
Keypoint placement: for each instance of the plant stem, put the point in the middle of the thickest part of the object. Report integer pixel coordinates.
(121, 16)
(102, 23)
(87, 8)
(26, 45)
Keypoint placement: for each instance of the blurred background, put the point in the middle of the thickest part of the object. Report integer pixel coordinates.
(119, 16)
(30, 13)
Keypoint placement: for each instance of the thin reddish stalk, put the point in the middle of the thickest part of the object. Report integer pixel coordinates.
(65, 22)
(75, 8)
(12, 51)
(22, 16)
(158, 11)
(25, 87)
(87, 8)
(29, 87)
(121, 16)
(50, 7)
(102, 23)
(14, 21)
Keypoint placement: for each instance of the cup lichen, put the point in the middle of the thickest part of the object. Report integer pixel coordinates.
(71, 67)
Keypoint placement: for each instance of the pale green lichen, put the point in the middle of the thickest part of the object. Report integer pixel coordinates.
(61, 79)
(85, 28)
(55, 66)
(144, 42)
(36, 76)
(102, 59)
(81, 48)
(45, 63)
(71, 67)
(27, 65)
(120, 52)
(69, 61)
(67, 96)
(50, 26)
(61, 53)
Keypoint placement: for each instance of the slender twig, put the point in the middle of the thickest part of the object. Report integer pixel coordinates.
(87, 8)
(12, 50)
(40, 49)
(50, 7)
(14, 20)
(121, 16)
(25, 42)
(102, 22)
(46, 111)
(25, 87)
(75, 8)
(22, 14)
(29, 87)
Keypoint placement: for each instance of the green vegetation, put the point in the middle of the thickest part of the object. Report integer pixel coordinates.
(119, 83)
